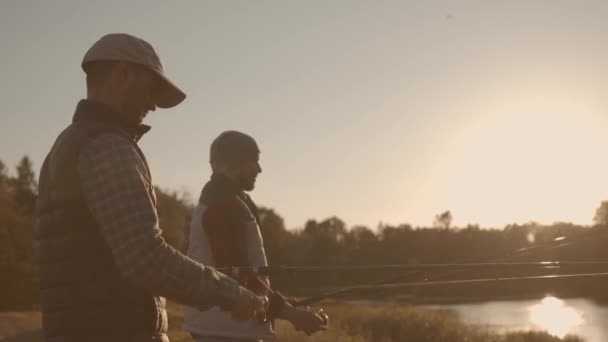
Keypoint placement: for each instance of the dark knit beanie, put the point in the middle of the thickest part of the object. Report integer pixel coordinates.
(232, 148)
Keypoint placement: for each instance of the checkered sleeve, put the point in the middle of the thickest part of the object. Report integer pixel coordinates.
(116, 187)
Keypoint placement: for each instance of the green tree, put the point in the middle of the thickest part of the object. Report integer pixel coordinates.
(20, 280)
(325, 240)
(601, 214)
(25, 187)
(174, 213)
(272, 227)
(3, 175)
(443, 220)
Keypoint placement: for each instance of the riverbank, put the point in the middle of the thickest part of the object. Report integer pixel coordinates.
(348, 323)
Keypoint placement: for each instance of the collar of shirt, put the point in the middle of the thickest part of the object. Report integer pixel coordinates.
(226, 184)
(91, 110)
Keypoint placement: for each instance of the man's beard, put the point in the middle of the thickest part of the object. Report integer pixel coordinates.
(247, 183)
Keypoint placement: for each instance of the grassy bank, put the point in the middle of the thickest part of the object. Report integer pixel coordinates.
(347, 323)
(388, 323)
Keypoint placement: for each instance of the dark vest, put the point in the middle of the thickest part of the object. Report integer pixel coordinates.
(83, 295)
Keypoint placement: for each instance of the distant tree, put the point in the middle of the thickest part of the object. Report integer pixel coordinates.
(325, 240)
(3, 176)
(361, 236)
(25, 187)
(3, 180)
(19, 283)
(332, 229)
(443, 220)
(472, 227)
(9, 219)
(362, 244)
(601, 214)
(174, 212)
(272, 227)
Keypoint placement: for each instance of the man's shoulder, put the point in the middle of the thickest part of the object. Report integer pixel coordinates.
(110, 141)
(213, 194)
(112, 151)
(219, 201)
(112, 138)
(74, 142)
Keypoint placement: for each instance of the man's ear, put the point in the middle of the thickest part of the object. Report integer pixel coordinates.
(124, 73)
(217, 167)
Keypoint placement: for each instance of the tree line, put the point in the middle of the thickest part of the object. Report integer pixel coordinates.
(317, 243)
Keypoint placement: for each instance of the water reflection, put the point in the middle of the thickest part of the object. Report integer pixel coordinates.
(576, 316)
(552, 315)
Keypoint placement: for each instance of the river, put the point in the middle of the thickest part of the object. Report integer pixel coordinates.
(558, 317)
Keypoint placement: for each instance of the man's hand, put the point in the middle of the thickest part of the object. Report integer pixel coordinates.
(304, 319)
(248, 305)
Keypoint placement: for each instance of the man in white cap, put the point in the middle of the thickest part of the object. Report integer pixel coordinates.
(104, 267)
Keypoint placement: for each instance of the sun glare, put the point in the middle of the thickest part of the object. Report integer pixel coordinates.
(529, 165)
(552, 315)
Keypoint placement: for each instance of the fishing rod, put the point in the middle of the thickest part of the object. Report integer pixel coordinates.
(526, 251)
(318, 298)
(450, 269)
(387, 283)
(558, 242)
(275, 270)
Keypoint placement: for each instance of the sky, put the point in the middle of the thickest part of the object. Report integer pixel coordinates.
(372, 111)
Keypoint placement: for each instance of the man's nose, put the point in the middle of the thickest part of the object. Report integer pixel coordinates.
(150, 106)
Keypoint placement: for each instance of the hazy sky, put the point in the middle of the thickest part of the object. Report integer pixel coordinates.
(373, 111)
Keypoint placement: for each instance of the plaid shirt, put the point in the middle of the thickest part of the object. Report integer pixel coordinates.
(117, 187)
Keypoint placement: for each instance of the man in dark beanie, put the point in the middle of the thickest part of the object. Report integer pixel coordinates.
(225, 233)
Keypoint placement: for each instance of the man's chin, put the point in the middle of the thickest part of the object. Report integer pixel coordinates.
(136, 119)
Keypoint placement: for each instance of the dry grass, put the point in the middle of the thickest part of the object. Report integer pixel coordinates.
(20, 327)
(348, 323)
(388, 323)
